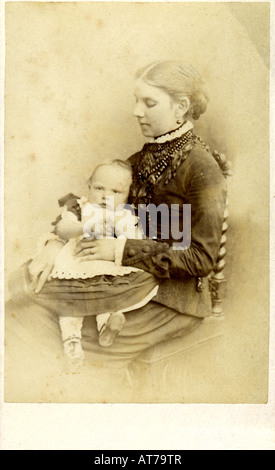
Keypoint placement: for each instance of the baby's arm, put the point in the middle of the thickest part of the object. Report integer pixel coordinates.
(68, 226)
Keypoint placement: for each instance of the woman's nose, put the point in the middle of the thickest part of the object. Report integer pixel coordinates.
(138, 111)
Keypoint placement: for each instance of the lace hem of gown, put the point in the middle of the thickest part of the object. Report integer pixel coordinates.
(68, 267)
(82, 274)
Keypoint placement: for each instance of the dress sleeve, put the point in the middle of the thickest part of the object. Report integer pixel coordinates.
(202, 184)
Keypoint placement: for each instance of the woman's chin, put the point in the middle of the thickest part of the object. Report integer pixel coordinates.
(146, 131)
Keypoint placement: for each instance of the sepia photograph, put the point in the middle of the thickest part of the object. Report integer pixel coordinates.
(136, 202)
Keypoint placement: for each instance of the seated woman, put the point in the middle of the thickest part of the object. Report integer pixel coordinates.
(174, 167)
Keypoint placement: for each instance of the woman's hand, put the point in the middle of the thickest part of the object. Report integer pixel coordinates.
(42, 264)
(96, 249)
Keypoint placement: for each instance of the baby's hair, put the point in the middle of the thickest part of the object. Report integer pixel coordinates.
(116, 163)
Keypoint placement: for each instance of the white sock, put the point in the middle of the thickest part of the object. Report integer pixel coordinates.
(71, 327)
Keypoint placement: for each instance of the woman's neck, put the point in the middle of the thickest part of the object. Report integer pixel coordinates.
(171, 135)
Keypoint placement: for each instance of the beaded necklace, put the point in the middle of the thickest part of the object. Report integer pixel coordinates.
(159, 162)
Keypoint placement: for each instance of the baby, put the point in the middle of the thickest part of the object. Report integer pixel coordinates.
(103, 214)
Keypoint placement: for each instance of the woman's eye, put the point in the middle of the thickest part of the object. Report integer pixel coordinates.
(116, 191)
(150, 103)
(98, 188)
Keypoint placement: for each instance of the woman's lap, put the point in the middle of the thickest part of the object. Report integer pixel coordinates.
(31, 328)
(83, 297)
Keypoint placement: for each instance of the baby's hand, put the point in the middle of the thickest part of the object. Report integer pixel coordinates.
(42, 264)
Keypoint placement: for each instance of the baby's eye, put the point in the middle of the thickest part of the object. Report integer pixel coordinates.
(98, 188)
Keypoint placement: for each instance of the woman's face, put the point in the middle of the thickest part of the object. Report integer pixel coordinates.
(156, 111)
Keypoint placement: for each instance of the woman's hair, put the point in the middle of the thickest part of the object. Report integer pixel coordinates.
(115, 163)
(178, 81)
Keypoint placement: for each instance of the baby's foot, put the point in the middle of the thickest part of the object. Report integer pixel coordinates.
(111, 329)
(73, 350)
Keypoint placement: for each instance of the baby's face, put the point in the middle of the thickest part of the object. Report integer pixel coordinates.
(110, 186)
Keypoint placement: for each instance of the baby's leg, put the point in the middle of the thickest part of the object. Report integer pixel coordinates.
(71, 331)
(109, 326)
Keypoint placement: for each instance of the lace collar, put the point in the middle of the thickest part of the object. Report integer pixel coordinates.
(185, 127)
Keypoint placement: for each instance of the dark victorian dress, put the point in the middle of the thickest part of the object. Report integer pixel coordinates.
(173, 170)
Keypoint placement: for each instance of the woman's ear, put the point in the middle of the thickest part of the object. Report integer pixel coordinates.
(182, 108)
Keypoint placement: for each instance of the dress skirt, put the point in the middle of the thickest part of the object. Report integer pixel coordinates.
(86, 297)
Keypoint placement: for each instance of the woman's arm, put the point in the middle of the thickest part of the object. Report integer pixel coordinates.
(203, 185)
